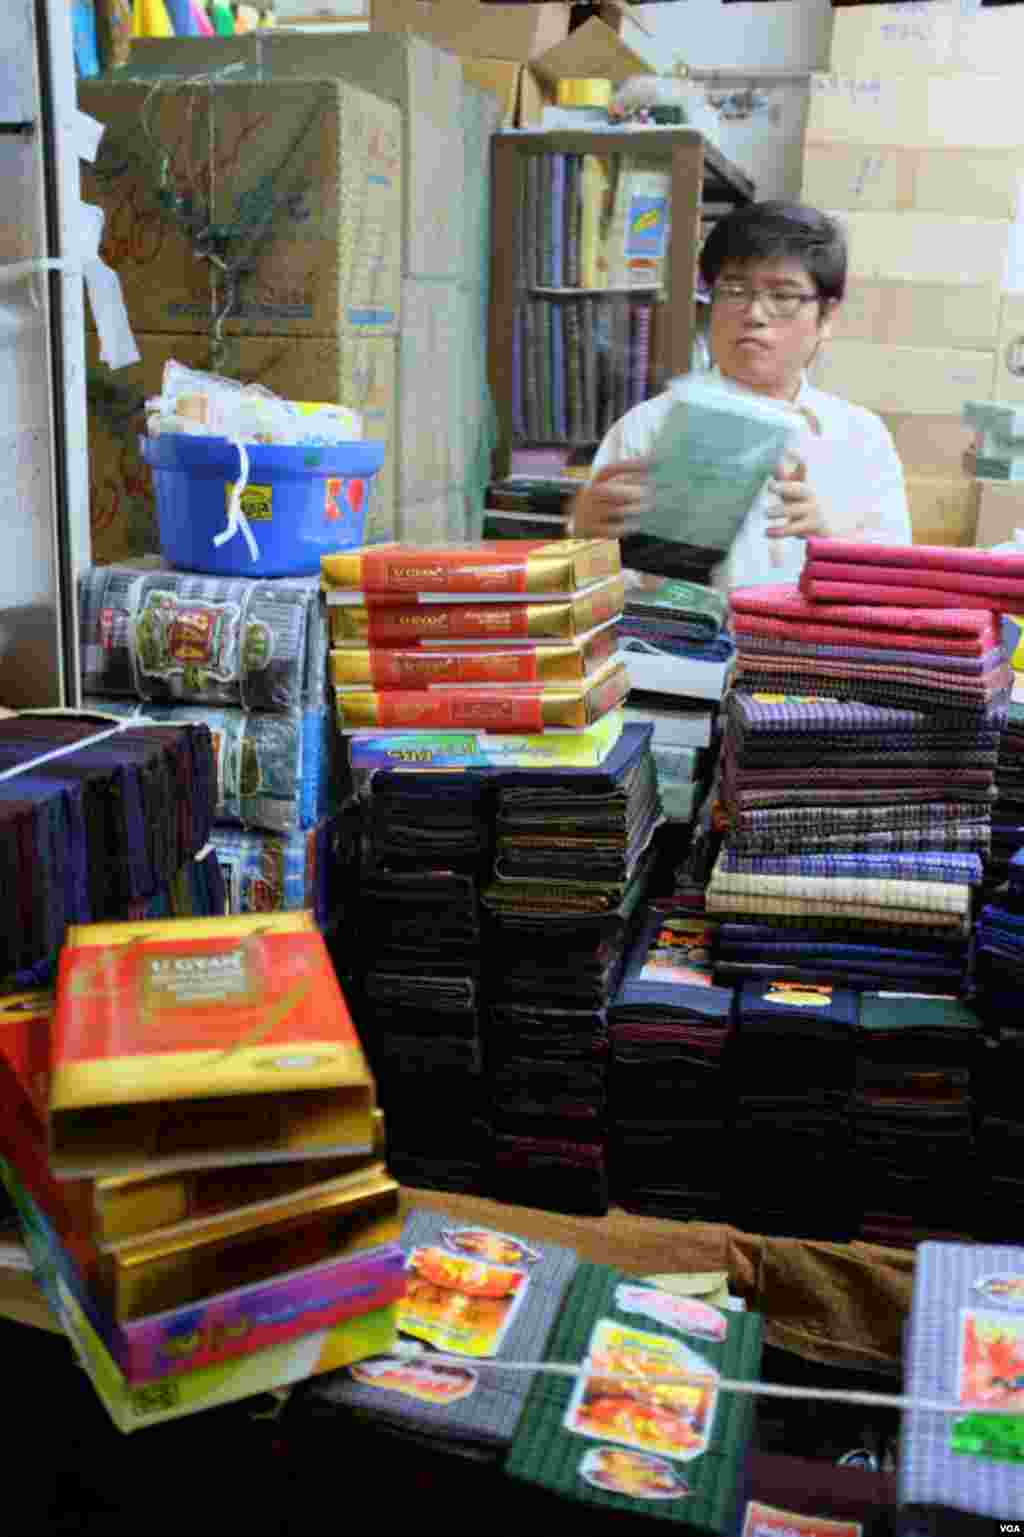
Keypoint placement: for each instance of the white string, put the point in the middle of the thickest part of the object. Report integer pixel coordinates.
(724, 1384)
(237, 520)
(63, 752)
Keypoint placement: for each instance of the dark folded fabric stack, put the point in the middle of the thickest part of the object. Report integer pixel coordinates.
(1008, 811)
(1001, 1131)
(915, 1079)
(439, 821)
(572, 865)
(855, 841)
(999, 947)
(669, 1106)
(792, 1074)
(93, 826)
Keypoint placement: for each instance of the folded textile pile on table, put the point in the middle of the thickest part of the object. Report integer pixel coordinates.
(915, 1092)
(1008, 811)
(792, 1072)
(572, 863)
(480, 1295)
(854, 840)
(669, 1106)
(913, 576)
(949, 661)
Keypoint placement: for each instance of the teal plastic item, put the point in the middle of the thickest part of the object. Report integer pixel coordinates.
(301, 502)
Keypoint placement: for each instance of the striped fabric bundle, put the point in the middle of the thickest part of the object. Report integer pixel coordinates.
(919, 575)
(94, 823)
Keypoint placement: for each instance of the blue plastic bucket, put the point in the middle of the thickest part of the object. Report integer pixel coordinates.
(301, 502)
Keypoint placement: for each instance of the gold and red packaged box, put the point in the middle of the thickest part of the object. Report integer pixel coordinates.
(429, 664)
(181, 1043)
(424, 617)
(510, 567)
(499, 708)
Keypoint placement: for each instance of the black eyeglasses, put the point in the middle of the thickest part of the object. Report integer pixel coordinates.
(777, 303)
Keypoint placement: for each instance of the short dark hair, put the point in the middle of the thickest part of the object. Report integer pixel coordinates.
(779, 231)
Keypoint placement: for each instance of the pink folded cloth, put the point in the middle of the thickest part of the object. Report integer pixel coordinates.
(787, 603)
(848, 636)
(904, 576)
(816, 586)
(926, 557)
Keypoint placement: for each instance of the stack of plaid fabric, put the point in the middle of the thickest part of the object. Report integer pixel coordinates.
(668, 1091)
(1008, 811)
(792, 1074)
(572, 863)
(857, 781)
(915, 1082)
(1000, 978)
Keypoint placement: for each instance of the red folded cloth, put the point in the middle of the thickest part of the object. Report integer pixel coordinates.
(783, 611)
(848, 636)
(817, 586)
(828, 570)
(925, 557)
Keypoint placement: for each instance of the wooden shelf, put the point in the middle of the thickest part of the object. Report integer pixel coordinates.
(699, 175)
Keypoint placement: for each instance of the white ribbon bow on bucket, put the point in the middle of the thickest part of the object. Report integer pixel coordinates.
(238, 523)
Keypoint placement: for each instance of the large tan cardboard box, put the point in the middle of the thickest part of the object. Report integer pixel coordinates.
(357, 370)
(969, 183)
(490, 31)
(942, 510)
(920, 314)
(422, 80)
(1000, 512)
(923, 381)
(428, 389)
(926, 248)
(302, 179)
(592, 51)
(966, 111)
(1009, 378)
(930, 445)
(929, 37)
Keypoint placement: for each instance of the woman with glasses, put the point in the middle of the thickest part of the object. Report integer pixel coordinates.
(776, 274)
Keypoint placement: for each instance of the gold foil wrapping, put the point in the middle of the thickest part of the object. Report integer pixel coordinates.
(558, 566)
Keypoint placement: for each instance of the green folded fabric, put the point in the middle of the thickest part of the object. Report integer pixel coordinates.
(678, 1456)
(895, 1013)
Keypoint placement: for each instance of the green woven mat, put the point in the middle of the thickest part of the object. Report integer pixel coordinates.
(699, 1492)
(892, 1014)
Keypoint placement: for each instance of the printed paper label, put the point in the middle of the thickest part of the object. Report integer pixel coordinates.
(632, 1474)
(686, 1314)
(461, 1306)
(766, 1521)
(1004, 1290)
(680, 952)
(673, 1419)
(429, 1382)
(484, 1244)
(799, 995)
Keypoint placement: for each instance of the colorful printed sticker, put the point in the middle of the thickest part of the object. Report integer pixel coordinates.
(686, 1314)
(485, 1244)
(632, 1474)
(766, 1521)
(680, 952)
(429, 1382)
(459, 1305)
(990, 1360)
(1007, 1290)
(672, 1419)
(800, 995)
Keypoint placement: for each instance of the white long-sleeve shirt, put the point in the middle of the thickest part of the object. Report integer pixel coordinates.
(852, 465)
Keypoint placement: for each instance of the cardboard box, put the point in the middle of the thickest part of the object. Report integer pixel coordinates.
(1000, 512)
(424, 81)
(307, 180)
(501, 78)
(923, 381)
(926, 248)
(930, 38)
(428, 389)
(1009, 376)
(970, 183)
(474, 29)
(919, 314)
(942, 510)
(358, 371)
(592, 51)
(965, 111)
(930, 445)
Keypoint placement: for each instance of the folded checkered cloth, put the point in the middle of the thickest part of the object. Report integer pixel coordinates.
(871, 689)
(839, 891)
(957, 868)
(786, 606)
(799, 715)
(811, 909)
(919, 557)
(965, 837)
(969, 665)
(816, 585)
